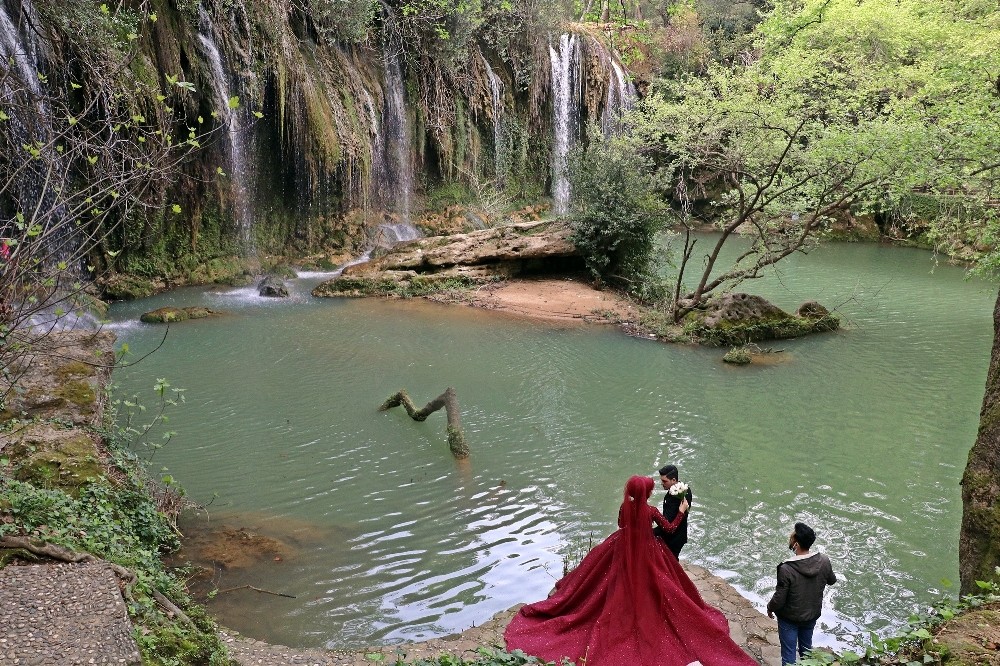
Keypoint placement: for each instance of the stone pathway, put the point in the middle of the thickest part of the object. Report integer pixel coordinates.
(69, 614)
(63, 615)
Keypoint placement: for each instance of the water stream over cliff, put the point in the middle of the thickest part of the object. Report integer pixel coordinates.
(229, 114)
(566, 94)
(389, 540)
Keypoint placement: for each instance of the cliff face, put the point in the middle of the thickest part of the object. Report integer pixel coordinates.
(314, 143)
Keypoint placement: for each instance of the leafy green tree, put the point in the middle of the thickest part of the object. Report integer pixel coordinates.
(841, 105)
(340, 20)
(615, 218)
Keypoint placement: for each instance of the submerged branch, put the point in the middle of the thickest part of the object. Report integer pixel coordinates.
(448, 400)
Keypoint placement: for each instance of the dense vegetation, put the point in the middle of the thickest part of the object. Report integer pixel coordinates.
(783, 123)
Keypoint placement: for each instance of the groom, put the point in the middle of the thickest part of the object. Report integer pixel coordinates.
(671, 505)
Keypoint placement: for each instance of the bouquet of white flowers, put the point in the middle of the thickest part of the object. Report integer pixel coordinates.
(679, 489)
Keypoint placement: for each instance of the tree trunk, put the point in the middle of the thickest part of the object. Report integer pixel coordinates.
(979, 540)
(448, 400)
(605, 11)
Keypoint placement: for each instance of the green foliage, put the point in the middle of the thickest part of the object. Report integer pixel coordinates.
(614, 217)
(738, 356)
(915, 644)
(343, 20)
(119, 517)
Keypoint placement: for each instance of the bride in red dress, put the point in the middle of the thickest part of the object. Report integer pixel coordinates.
(628, 603)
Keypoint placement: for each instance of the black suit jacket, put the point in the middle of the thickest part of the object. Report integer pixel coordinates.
(671, 505)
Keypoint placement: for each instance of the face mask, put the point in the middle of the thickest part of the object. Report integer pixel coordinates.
(791, 546)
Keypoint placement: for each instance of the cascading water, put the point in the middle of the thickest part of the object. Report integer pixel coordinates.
(496, 93)
(238, 164)
(37, 182)
(21, 53)
(395, 174)
(621, 98)
(567, 87)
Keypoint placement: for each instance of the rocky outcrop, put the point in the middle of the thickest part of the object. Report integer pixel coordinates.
(272, 287)
(737, 319)
(63, 377)
(53, 396)
(479, 256)
(170, 315)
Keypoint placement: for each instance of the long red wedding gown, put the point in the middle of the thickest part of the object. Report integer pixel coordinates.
(628, 603)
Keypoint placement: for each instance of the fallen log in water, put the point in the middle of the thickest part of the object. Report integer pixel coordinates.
(448, 400)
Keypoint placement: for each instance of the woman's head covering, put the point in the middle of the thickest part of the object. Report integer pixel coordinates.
(634, 512)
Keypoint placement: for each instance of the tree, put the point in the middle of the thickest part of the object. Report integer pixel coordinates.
(81, 153)
(614, 216)
(840, 107)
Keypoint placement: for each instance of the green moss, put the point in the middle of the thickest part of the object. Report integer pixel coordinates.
(738, 356)
(79, 392)
(75, 368)
(66, 463)
(388, 286)
(126, 287)
(735, 333)
(164, 316)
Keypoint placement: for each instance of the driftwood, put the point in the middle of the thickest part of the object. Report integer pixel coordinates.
(257, 589)
(52, 551)
(448, 400)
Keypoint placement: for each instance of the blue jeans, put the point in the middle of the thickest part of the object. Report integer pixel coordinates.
(790, 633)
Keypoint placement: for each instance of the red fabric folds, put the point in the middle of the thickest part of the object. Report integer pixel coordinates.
(628, 603)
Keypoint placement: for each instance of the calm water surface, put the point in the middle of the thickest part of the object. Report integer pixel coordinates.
(862, 433)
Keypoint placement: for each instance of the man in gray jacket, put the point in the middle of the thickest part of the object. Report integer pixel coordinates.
(798, 596)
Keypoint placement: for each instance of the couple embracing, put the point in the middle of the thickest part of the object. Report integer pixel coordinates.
(629, 602)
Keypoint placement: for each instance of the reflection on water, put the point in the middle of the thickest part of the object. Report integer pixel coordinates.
(862, 433)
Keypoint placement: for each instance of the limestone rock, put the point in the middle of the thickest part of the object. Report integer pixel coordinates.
(170, 315)
(477, 256)
(272, 287)
(737, 319)
(63, 377)
(167, 315)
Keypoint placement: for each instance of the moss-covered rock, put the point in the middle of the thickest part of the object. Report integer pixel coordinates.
(738, 356)
(126, 287)
(167, 315)
(50, 457)
(738, 319)
(61, 378)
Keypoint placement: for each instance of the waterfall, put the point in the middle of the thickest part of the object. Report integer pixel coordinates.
(621, 98)
(20, 52)
(36, 185)
(238, 164)
(395, 179)
(496, 92)
(397, 138)
(567, 87)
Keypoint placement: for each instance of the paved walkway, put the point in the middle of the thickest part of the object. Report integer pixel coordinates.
(63, 615)
(69, 614)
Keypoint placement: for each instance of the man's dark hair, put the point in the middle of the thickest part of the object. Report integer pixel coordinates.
(804, 535)
(669, 471)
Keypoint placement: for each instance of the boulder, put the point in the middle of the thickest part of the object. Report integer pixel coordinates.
(167, 315)
(812, 310)
(272, 287)
(737, 319)
(170, 315)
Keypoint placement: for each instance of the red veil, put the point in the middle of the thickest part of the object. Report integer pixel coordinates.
(628, 603)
